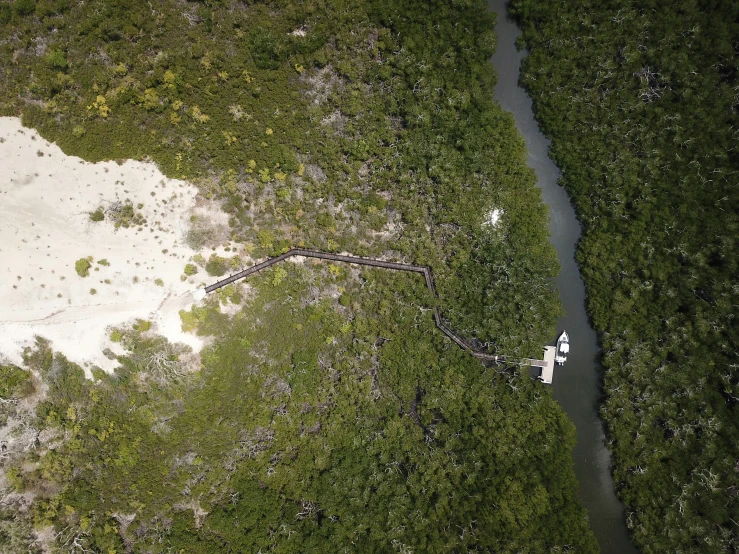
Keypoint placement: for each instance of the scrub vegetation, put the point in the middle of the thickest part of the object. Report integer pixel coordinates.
(384, 138)
(640, 100)
(327, 413)
(82, 266)
(341, 436)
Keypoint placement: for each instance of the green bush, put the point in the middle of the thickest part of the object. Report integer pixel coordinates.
(325, 220)
(123, 214)
(142, 325)
(190, 270)
(266, 238)
(97, 373)
(278, 275)
(189, 321)
(216, 266)
(24, 7)
(82, 267)
(97, 215)
(5, 14)
(47, 8)
(14, 382)
(56, 59)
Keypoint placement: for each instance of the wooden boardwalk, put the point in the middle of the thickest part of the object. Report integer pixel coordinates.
(424, 270)
(546, 365)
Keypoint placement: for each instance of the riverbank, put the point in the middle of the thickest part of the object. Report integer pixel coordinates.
(577, 384)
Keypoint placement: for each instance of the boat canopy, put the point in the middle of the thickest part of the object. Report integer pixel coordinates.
(565, 347)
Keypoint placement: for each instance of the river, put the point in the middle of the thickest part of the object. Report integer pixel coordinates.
(576, 385)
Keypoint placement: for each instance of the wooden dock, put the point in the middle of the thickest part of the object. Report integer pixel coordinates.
(547, 365)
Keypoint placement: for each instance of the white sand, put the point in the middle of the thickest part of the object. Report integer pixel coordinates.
(45, 227)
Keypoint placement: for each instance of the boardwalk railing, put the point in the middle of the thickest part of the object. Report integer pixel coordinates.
(425, 270)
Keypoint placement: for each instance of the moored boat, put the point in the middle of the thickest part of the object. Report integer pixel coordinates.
(563, 348)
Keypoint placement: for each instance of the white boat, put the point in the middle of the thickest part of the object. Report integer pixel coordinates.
(563, 348)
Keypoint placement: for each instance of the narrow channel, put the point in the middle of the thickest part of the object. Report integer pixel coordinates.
(576, 385)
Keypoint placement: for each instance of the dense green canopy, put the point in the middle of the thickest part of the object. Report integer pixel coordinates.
(640, 99)
(327, 414)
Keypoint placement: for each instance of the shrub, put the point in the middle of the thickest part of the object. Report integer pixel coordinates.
(159, 282)
(47, 8)
(116, 335)
(278, 276)
(24, 7)
(125, 215)
(97, 373)
(97, 215)
(82, 267)
(93, 292)
(190, 270)
(325, 220)
(14, 382)
(230, 293)
(189, 321)
(216, 266)
(265, 238)
(56, 59)
(104, 262)
(142, 325)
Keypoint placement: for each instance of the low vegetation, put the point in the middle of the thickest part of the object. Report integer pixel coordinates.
(216, 266)
(82, 266)
(124, 214)
(318, 441)
(98, 215)
(327, 412)
(14, 382)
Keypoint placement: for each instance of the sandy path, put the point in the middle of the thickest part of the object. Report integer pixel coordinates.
(45, 201)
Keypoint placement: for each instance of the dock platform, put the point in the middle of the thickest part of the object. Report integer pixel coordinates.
(546, 365)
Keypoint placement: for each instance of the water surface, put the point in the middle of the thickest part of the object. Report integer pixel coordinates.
(576, 385)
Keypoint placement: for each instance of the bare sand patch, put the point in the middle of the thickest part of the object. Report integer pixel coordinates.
(45, 202)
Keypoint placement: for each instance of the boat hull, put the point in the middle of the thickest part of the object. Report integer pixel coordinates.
(563, 348)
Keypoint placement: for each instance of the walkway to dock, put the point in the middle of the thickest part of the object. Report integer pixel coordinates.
(546, 364)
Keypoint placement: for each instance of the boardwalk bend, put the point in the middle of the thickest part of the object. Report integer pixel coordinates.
(546, 365)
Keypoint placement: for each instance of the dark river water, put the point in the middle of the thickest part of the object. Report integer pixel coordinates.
(576, 385)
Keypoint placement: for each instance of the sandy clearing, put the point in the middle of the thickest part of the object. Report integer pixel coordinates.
(45, 200)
